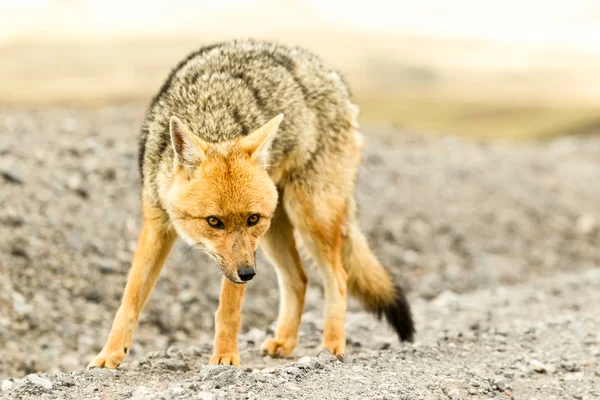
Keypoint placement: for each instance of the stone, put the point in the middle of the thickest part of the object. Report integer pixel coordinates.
(39, 381)
(104, 264)
(447, 300)
(205, 396)
(172, 364)
(538, 366)
(325, 356)
(308, 363)
(292, 371)
(12, 176)
(6, 385)
(291, 386)
(500, 383)
(586, 224)
(141, 393)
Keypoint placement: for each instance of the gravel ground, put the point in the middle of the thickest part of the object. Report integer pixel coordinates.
(497, 244)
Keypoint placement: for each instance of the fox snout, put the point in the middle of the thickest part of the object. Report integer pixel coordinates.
(246, 273)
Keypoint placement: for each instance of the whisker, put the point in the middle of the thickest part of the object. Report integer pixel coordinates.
(186, 252)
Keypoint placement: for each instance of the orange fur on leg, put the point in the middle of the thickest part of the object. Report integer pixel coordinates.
(335, 282)
(320, 221)
(154, 245)
(280, 247)
(227, 324)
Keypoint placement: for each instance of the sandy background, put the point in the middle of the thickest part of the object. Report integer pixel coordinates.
(508, 70)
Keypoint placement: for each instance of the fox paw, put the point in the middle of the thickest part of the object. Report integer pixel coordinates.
(226, 359)
(107, 359)
(277, 348)
(336, 347)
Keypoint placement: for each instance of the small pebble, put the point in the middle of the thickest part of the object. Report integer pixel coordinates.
(6, 385)
(205, 396)
(39, 381)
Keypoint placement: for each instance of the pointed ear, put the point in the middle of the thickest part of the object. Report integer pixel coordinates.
(189, 149)
(258, 143)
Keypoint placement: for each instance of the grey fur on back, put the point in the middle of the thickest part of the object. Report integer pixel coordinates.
(228, 90)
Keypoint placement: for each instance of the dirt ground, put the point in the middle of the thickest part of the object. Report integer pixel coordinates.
(497, 244)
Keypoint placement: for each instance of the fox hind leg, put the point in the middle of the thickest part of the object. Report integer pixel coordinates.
(154, 244)
(280, 247)
(319, 217)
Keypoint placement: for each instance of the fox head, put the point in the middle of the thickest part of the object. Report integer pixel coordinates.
(221, 197)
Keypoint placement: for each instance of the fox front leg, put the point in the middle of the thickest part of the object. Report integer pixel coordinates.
(227, 324)
(154, 244)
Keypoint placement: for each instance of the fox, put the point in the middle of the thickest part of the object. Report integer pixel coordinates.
(252, 144)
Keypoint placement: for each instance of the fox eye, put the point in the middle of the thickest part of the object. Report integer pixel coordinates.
(215, 222)
(253, 219)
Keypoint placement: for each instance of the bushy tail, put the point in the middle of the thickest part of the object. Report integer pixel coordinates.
(372, 284)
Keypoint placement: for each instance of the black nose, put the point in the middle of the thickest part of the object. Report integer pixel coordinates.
(246, 273)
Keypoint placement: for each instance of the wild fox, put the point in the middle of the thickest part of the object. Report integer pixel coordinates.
(219, 171)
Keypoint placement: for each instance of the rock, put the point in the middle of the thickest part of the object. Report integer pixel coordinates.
(308, 363)
(172, 364)
(20, 305)
(411, 257)
(174, 352)
(501, 383)
(176, 390)
(69, 124)
(141, 393)
(99, 372)
(539, 367)
(76, 184)
(12, 220)
(574, 376)
(586, 224)
(104, 264)
(453, 394)
(157, 354)
(294, 371)
(39, 381)
(569, 366)
(12, 176)
(381, 345)
(325, 356)
(93, 294)
(447, 300)
(205, 396)
(267, 371)
(98, 248)
(18, 250)
(291, 386)
(222, 375)
(6, 385)
(75, 241)
(254, 336)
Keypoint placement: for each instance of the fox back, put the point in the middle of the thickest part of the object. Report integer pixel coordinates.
(225, 91)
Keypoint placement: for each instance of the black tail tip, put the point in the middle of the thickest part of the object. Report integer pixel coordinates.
(399, 316)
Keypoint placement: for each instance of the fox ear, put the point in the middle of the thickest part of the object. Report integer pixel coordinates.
(189, 149)
(258, 143)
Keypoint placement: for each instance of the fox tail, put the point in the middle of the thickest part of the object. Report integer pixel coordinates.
(372, 284)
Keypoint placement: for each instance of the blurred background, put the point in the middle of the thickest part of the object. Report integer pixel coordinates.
(480, 169)
(501, 69)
